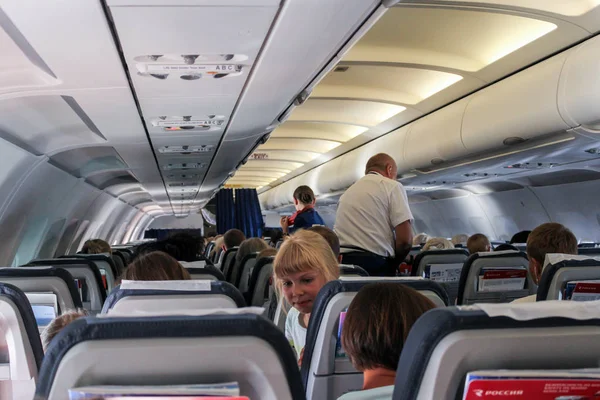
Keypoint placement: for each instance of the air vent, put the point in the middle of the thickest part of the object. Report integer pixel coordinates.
(182, 184)
(189, 122)
(184, 166)
(532, 165)
(593, 151)
(190, 66)
(437, 161)
(342, 68)
(183, 176)
(478, 175)
(186, 150)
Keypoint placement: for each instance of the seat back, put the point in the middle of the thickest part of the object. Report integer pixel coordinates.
(504, 286)
(227, 262)
(21, 351)
(209, 247)
(241, 273)
(93, 293)
(589, 251)
(326, 371)
(257, 294)
(57, 281)
(168, 350)
(106, 266)
(443, 266)
(561, 273)
(152, 296)
(200, 270)
(447, 343)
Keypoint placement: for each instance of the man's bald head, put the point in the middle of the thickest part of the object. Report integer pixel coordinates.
(383, 164)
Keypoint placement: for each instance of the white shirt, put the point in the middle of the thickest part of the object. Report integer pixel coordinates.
(369, 211)
(294, 331)
(382, 393)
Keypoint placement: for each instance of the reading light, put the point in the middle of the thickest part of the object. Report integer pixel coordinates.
(189, 59)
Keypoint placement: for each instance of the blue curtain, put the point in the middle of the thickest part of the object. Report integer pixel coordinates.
(248, 216)
(225, 211)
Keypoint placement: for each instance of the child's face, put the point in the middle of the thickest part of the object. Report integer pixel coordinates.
(301, 289)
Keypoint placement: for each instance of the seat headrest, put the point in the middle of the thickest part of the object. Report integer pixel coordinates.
(555, 258)
(167, 288)
(18, 298)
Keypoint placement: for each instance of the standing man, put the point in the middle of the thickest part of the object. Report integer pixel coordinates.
(373, 221)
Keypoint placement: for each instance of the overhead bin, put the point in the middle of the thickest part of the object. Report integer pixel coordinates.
(579, 86)
(522, 106)
(553, 96)
(436, 138)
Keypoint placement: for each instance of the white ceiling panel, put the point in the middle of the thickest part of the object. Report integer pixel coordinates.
(354, 112)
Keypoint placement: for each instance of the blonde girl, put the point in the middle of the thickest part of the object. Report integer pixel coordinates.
(303, 265)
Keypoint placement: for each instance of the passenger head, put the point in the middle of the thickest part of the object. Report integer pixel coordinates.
(505, 247)
(303, 196)
(155, 266)
(548, 238)
(189, 246)
(383, 164)
(377, 324)
(96, 246)
(478, 243)
(303, 264)
(233, 238)
(268, 252)
(420, 239)
(59, 323)
(249, 246)
(330, 237)
(520, 237)
(459, 239)
(276, 236)
(218, 246)
(438, 243)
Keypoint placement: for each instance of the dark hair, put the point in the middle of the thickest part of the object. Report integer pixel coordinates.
(96, 246)
(276, 236)
(377, 324)
(156, 266)
(304, 194)
(478, 242)
(233, 238)
(330, 236)
(505, 246)
(520, 237)
(189, 246)
(551, 237)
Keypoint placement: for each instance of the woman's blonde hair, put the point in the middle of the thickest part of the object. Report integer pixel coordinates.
(304, 251)
(438, 243)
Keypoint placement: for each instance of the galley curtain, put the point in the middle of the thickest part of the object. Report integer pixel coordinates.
(247, 212)
(225, 211)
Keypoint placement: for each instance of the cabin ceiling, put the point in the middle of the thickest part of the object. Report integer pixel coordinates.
(160, 103)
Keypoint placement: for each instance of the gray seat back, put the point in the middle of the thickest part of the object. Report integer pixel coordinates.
(563, 270)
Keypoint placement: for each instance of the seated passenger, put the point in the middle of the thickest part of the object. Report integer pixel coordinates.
(218, 247)
(520, 237)
(420, 239)
(546, 238)
(248, 246)
(96, 246)
(268, 252)
(155, 266)
(460, 239)
(376, 326)
(505, 247)
(232, 238)
(478, 243)
(331, 238)
(189, 247)
(303, 265)
(305, 215)
(438, 243)
(59, 323)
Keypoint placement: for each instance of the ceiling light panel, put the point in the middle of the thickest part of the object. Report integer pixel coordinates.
(277, 165)
(311, 145)
(302, 156)
(311, 130)
(570, 8)
(242, 173)
(353, 112)
(385, 83)
(451, 38)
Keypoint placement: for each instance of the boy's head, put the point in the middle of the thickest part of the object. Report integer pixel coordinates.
(233, 238)
(548, 238)
(377, 324)
(330, 237)
(478, 243)
(59, 323)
